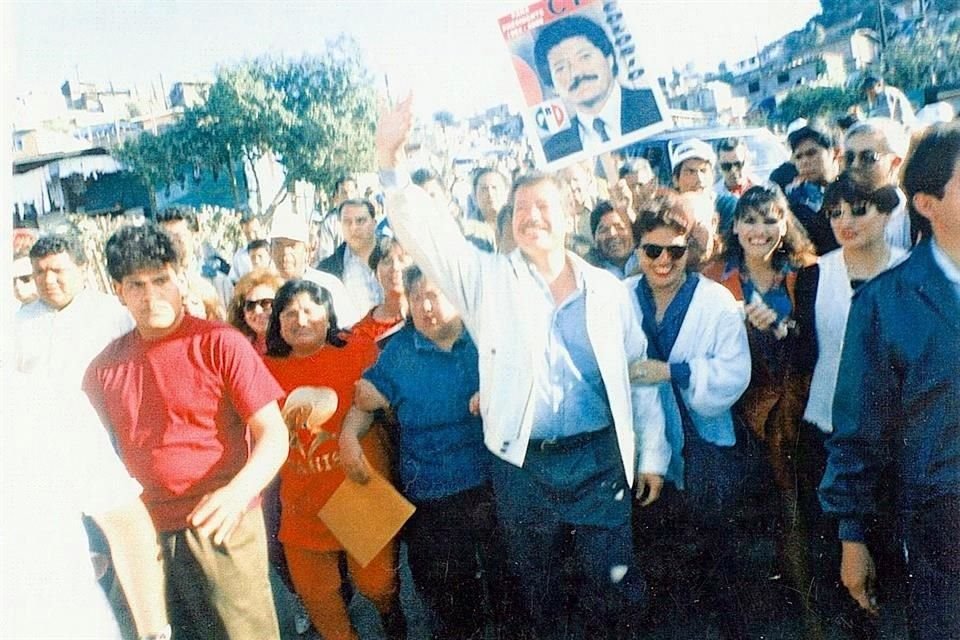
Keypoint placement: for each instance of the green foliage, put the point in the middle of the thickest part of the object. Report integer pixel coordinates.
(316, 115)
(810, 102)
(923, 59)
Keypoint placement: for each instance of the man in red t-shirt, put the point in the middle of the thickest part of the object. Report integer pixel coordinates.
(179, 395)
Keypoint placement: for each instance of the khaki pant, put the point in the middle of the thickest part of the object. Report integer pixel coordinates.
(220, 592)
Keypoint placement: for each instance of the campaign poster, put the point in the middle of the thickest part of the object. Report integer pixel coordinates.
(585, 92)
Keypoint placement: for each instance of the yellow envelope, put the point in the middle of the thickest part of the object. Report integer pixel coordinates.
(365, 517)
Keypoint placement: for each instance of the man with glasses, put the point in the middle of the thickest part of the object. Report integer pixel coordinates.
(873, 152)
(816, 154)
(733, 158)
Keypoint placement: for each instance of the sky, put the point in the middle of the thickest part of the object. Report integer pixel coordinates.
(450, 54)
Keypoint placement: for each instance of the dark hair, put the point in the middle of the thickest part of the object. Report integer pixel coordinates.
(58, 243)
(358, 202)
(784, 174)
(245, 285)
(844, 189)
(412, 275)
(259, 243)
(666, 210)
(928, 170)
(381, 250)
(482, 171)
(504, 218)
(277, 347)
(795, 248)
(341, 180)
(175, 214)
(556, 32)
(730, 144)
(601, 209)
(822, 135)
(870, 80)
(423, 175)
(534, 178)
(131, 249)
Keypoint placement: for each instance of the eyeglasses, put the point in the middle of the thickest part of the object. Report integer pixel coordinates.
(264, 303)
(653, 251)
(727, 166)
(856, 210)
(23, 279)
(867, 158)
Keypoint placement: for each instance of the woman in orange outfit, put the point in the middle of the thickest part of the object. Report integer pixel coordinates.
(305, 347)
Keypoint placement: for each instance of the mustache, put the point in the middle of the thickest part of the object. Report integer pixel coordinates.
(580, 80)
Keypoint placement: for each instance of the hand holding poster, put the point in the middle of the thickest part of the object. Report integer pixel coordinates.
(583, 90)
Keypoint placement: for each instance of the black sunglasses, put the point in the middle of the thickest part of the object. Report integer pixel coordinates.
(653, 251)
(856, 210)
(23, 279)
(264, 303)
(727, 166)
(866, 158)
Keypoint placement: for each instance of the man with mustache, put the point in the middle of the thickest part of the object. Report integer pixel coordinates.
(576, 58)
(571, 438)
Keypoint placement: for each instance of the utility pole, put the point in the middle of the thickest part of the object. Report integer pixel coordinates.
(882, 23)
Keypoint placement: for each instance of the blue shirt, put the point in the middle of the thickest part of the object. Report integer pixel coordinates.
(568, 392)
(441, 442)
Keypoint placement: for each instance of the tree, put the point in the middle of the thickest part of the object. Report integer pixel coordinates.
(316, 115)
(811, 102)
(925, 58)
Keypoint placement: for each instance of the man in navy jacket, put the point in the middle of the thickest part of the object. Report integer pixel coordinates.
(897, 403)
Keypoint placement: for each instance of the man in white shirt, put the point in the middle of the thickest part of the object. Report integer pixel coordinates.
(569, 434)
(58, 335)
(289, 237)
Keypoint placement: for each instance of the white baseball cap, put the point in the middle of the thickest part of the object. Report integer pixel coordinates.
(692, 148)
(290, 226)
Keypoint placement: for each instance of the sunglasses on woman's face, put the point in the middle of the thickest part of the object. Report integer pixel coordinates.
(866, 158)
(264, 303)
(856, 210)
(653, 251)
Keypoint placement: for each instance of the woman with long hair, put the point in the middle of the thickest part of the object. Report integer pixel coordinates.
(306, 348)
(763, 253)
(252, 303)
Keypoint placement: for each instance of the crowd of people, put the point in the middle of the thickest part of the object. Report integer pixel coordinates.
(571, 376)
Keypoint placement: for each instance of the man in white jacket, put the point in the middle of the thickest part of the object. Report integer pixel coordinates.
(568, 433)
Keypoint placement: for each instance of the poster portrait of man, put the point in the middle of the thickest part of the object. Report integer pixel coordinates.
(584, 91)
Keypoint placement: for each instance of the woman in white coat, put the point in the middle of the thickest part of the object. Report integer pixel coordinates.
(699, 356)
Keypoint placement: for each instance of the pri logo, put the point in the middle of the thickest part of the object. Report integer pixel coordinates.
(551, 116)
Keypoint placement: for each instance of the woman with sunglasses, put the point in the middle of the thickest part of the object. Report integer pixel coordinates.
(251, 305)
(858, 218)
(306, 348)
(699, 356)
(763, 252)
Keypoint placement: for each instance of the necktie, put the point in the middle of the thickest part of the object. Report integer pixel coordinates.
(601, 129)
